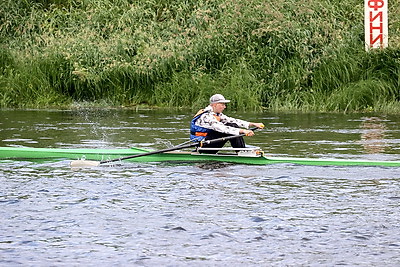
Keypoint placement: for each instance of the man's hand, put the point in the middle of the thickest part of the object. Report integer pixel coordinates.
(247, 132)
(258, 125)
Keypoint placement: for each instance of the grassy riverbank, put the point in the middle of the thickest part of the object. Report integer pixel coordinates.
(292, 55)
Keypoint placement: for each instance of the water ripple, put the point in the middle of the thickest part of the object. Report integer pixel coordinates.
(146, 214)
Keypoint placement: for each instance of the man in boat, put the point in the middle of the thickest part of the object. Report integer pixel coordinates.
(211, 123)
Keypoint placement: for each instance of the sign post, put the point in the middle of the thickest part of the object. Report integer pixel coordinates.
(376, 24)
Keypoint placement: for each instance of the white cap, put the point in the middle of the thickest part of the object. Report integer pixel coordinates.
(218, 98)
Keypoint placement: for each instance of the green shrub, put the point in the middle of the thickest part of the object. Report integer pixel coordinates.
(284, 55)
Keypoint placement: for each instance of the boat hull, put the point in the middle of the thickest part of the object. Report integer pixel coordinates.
(12, 153)
(22, 153)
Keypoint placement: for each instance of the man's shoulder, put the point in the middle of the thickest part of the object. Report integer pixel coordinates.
(204, 111)
(200, 112)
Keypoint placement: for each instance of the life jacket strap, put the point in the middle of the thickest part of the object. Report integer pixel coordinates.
(198, 133)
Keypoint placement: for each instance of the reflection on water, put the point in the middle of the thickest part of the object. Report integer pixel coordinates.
(373, 135)
(147, 214)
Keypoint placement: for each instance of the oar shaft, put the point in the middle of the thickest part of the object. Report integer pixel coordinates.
(226, 138)
(150, 153)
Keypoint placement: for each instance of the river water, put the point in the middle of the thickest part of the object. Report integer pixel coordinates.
(159, 214)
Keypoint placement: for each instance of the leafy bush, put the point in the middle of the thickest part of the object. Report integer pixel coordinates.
(302, 55)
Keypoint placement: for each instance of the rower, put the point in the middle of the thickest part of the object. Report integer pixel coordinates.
(211, 123)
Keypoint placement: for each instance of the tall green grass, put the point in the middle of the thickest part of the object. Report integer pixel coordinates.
(188, 89)
(286, 55)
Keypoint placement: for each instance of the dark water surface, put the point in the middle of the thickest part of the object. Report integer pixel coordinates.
(149, 214)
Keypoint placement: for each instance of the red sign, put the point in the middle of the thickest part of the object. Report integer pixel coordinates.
(376, 24)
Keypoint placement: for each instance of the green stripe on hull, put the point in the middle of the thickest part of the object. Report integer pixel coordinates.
(64, 153)
(332, 162)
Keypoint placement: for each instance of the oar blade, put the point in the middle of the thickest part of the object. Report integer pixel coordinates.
(84, 163)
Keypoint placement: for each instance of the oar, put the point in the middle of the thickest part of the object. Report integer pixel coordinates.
(92, 163)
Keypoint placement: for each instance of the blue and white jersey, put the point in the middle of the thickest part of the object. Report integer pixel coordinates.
(206, 120)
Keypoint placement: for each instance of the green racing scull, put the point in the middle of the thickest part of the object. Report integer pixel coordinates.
(251, 155)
